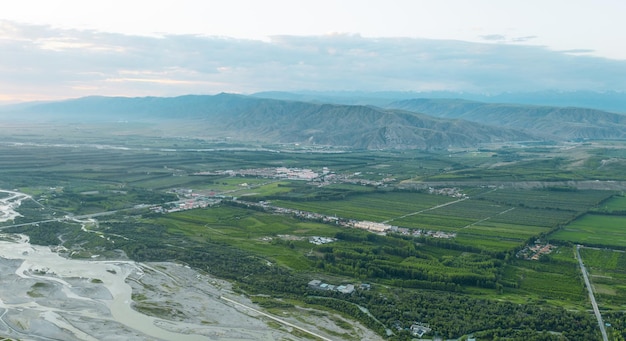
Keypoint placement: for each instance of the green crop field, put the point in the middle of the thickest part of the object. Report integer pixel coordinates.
(551, 198)
(376, 207)
(595, 230)
(498, 236)
(617, 203)
(267, 235)
(429, 220)
(607, 271)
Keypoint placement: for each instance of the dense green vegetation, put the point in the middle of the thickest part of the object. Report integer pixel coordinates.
(472, 282)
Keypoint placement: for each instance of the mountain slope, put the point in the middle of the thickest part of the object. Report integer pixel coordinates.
(551, 122)
(276, 121)
(607, 101)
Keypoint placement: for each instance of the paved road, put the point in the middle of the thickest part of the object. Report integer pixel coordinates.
(86, 216)
(591, 297)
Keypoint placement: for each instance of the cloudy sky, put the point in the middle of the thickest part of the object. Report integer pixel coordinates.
(73, 48)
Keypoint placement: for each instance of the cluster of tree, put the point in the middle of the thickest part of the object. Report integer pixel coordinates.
(80, 202)
(453, 315)
(42, 234)
(398, 261)
(350, 309)
(617, 325)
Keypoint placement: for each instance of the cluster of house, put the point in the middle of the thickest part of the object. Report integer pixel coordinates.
(354, 178)
(448, 191)
(426, 233)
(371, 226)
(419, 329)
(298, 213)
(321, 240)
(319, 285)
(186, 205)
(317, 240)
(270, 172)
(323, 178)
(380, 228)
(190, 201)
(535, 251)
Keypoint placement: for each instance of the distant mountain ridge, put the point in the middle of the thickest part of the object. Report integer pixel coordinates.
(612, 101)
(561, 123)
(279, 121)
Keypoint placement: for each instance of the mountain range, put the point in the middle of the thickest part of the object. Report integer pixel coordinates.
(404, 124)
(558, 123)
(612, 101)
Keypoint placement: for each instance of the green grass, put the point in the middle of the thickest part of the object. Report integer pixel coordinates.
(595, 230)
(616, 203)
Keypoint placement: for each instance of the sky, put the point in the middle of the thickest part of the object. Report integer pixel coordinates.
(72, 48)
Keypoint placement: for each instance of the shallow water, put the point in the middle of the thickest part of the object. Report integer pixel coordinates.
(41, 265)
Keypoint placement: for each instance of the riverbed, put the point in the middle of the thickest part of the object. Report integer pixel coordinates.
(45, 296)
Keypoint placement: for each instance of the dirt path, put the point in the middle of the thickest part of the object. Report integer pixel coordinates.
(592, 298)
(425, 210)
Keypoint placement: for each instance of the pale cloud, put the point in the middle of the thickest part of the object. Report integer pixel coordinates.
(501, 38)
(45, 62)
(523, 39)
(494, 37)
(69, 43)
(578, 51)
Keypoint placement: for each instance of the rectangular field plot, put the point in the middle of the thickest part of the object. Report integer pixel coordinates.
(614, 204)
(557, 281)
(595, 230)
(603, 259)
(497, 236)
(607, 273)
(534, 217)
(473, 210)
(373, 207)
(488, 243)
(570, 200)
(550, 285)
(431, 221)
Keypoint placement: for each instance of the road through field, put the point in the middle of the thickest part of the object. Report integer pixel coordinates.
(275, 318)
(591, 296)
(425, 210)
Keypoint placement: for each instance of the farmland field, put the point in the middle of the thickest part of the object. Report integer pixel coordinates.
(145, 187)
(373, 207)
(617, 203)
(595, 230)
(607, 271)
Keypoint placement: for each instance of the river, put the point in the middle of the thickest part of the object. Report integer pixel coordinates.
(45, 296)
